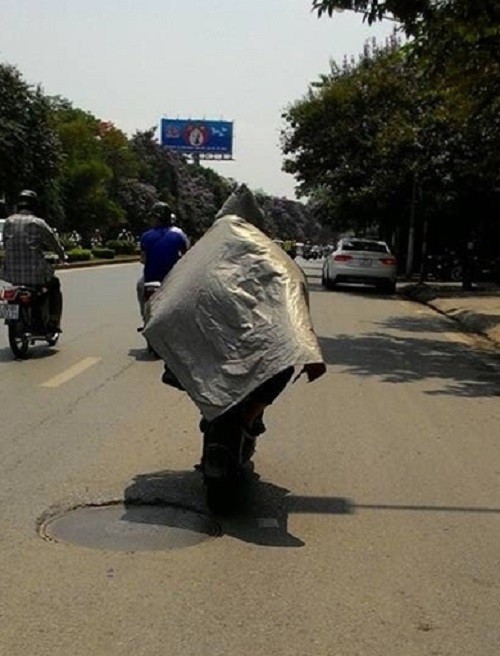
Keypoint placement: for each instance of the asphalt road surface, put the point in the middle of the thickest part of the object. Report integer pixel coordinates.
(374, 528)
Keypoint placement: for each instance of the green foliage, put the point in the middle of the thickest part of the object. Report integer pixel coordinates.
(423, 118)
(89, 175)
(409, 12)
(288, 219)
(79, 255)
(30, 152)
(67, 243)
(122, 247)
(103, 253)
(136, 199)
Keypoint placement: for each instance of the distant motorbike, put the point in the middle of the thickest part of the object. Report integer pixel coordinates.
(309, 254)
(445, 267)
(25, 311)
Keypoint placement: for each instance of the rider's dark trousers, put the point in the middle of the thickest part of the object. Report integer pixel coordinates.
(55, 300)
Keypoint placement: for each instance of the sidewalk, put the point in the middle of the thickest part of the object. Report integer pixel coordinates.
(477, 311)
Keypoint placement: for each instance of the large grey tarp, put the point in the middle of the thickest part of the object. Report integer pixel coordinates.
(232, 313)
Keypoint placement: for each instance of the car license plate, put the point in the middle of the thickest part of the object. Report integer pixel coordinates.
(10, 312)
(364, 263)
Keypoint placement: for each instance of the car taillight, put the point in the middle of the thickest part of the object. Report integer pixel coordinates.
(342, 258)
(389, 261)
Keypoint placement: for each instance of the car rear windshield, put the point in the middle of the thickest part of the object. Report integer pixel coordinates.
(358, 245)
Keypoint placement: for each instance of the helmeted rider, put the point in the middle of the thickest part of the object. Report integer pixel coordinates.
(161, 247)
(26, 239)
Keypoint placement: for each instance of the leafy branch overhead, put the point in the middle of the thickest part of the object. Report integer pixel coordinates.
(408, 12)
(423, 111)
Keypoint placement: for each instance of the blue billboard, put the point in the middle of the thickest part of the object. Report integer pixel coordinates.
(198, 136)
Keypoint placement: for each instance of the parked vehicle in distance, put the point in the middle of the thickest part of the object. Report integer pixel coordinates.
(311, 252)
(363, 261)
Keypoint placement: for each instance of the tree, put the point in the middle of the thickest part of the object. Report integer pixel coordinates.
(89, 175)
(408, 12)
(136, 199)
(30, 152)
(349, 141)
(407, 126)
(85, 177)
(156, 166)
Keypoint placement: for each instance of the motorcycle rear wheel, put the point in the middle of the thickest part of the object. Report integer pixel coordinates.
(18, 343)
(53, 339)
(220, 476)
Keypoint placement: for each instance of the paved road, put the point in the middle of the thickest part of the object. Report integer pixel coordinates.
(374, 528)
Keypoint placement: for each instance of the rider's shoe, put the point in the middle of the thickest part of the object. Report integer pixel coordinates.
(257, 428)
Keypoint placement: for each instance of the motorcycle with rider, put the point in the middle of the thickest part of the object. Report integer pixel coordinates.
(32, 306)
(161, 247)
(231, 322)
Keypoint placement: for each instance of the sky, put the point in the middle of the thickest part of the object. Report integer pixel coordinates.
(133, 62)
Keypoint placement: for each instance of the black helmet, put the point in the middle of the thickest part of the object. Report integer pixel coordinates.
(162, 212)
(28, 200)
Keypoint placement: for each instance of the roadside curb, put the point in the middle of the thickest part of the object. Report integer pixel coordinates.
(458, 309)
(94, 263)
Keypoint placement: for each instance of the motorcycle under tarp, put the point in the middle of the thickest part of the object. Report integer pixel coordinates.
(231, 314)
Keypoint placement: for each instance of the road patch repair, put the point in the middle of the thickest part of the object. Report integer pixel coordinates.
(119, 526)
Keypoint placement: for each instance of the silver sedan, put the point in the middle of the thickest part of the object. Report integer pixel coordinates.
(363, 261)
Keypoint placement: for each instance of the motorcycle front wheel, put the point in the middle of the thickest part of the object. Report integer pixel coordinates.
(18, 342)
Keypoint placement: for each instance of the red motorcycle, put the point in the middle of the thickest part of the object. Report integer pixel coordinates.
(25, 311)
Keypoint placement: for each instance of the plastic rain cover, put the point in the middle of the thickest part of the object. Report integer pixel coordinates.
(232, 313)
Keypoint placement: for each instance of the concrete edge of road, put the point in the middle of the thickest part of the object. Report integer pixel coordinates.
(122, 259)
(94, 263)
(461, 311)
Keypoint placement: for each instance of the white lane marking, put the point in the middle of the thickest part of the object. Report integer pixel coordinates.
(70, 373)
(267, 522)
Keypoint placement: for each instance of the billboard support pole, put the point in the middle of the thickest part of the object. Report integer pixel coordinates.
(196, 159)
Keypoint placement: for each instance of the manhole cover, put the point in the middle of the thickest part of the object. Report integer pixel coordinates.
(131, 528)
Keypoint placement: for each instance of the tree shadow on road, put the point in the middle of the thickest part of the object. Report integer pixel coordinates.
(394, 359)
(419, 324)
(435, 324)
